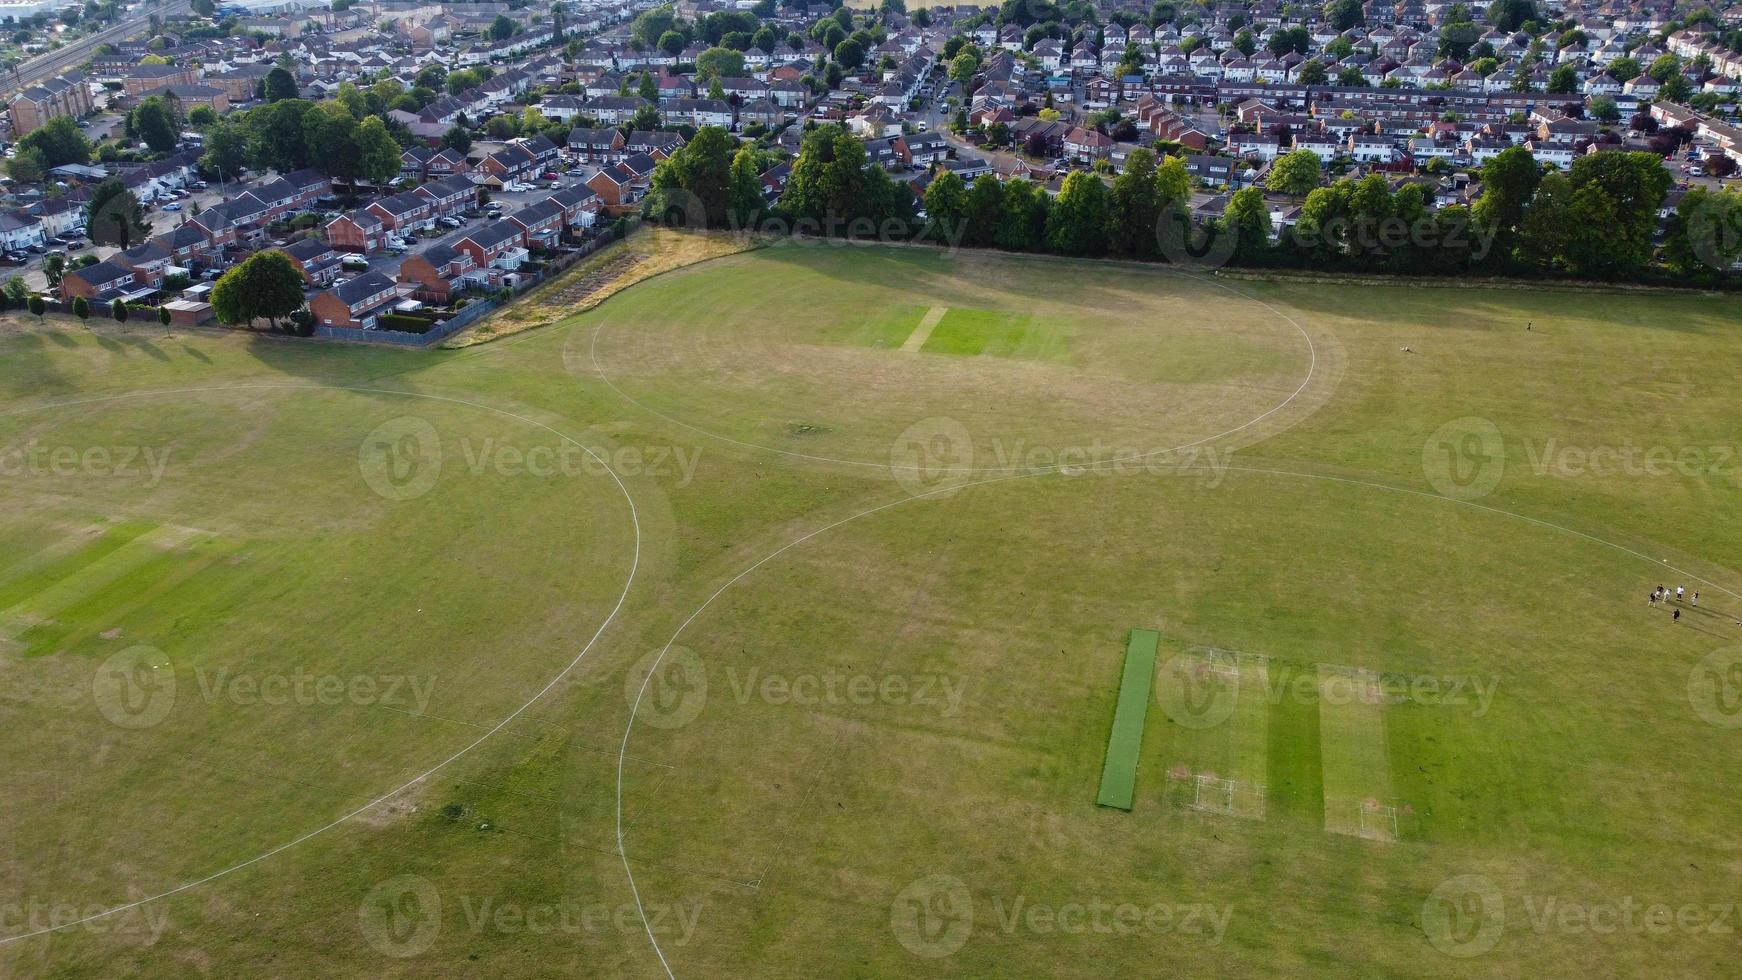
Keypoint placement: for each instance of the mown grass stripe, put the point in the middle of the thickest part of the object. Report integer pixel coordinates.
(32, 581)
(1125, 741)
(1296, 783)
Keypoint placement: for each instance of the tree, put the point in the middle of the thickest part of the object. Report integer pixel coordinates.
(277, 139)
(1290, 39)
(281, 85)
(1623, 69)
(850, 54)
(945, 205)
(1312, 72)
(646, 118)
(718, 62)
(696, 181)
(982, 212)
(1173, 183)
(1343, 14)
(17, 293)
(1077, 223)
(330, 132)
(1295, 173)
(1023, 224)
(113, 216)
(81, 308)
(53, 268)
(964, 67)
(28, 166)
(1563, 80)
(1509, 180)
(646, 88)
(1136, 209)
(1665, 66)
(118, 310)
(673, 43)
(201, 117)
(1704, 234)
(266, 285)
(744, 201)
(378, 153)
(462, 80)
(37, 306)
(154, 122)
(59, 141)
(834, 184)
(650, 25)
(457, 138)
(1248, 220)
(1509, 15)
(163, 316)
(502, 28)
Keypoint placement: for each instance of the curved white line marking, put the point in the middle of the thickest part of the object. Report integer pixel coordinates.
(1312, 365)
(623, 750)
(634, 565)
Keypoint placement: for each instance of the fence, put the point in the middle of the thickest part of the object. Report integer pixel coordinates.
(474, 311)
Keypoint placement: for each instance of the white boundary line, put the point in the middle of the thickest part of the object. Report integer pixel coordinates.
(623, 750)
(1312, 366)
(634, 565)
(952, 488)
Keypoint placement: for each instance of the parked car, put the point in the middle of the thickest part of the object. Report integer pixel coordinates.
(450, 222)
(172, 206)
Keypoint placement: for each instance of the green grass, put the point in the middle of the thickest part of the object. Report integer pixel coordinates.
(994, 333)
(989, 624)
(1125, 737)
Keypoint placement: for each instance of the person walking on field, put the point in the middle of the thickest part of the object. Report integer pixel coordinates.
(1678, 593)
(1695, 600)
(1677, 617)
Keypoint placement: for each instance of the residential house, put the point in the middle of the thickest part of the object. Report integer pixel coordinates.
(356, 303)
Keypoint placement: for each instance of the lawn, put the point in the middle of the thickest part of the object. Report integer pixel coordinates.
(1411, 715)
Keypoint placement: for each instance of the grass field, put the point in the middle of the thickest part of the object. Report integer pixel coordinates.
(879, 542)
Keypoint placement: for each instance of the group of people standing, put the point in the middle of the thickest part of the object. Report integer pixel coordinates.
(1665, 596)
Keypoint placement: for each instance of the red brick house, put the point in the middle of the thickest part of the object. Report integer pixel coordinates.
(436, 273)
(357, 231)
(449, 195)
(356, 303)
(499, 244)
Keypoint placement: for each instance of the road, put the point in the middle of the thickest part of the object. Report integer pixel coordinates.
(59, 61)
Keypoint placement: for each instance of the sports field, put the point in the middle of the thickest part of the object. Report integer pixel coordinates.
(770, 620)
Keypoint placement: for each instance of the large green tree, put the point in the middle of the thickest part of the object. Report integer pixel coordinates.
(1136, 207)
(945, 206)
(113, 216)
(266, 285)
(153, 122)
(1295, 173)
(378, 153)
(1077, 223)
(280, 85)
(59, 141)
